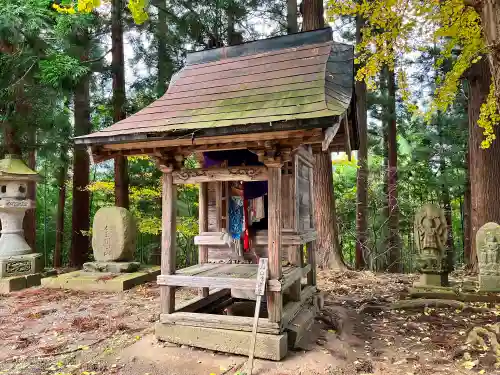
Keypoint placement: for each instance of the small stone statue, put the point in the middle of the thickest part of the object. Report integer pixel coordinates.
(488, 254)
(431, 232)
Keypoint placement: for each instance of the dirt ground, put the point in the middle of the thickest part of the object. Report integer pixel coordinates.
(57, 332)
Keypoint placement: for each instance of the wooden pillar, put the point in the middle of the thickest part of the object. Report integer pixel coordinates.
(274, 299)
(311, 259)
(168, 253)
(203, 224)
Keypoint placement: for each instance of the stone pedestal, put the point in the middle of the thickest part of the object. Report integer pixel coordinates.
(429, 279)
(113, 267)
(19, 267)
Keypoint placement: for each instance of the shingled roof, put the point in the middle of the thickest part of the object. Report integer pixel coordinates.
(294, 77)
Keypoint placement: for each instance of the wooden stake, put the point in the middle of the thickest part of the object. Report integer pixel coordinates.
(260, 289)
(203, 224)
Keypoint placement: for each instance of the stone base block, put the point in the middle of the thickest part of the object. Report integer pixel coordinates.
(19, 265)
(101, 281)
(489, 283)
(273, 347)
(112, 267)
(15, 283)
(429, 279)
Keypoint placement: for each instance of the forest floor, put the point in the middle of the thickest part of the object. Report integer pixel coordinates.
(61, 332)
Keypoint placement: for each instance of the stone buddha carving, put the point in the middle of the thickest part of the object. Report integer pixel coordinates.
(431, 232)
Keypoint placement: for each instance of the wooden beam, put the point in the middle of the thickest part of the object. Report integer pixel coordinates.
(311, 260)
(215, 282)
(330, 133)
(167, 293)
(203, 225)
(199, 175)
(347, 136)
(291, 309)
(229, 322)
(200, 302)
(274, 299)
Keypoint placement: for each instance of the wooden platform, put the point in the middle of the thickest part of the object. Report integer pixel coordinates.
(230, 276)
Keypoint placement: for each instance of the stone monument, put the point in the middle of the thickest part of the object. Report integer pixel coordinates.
(488, 255)
(431, 232)
(114, 234)
(19, 266)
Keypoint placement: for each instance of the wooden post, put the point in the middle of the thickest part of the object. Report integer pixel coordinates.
(311, 259)
(274, 299)
(203, 224)
(296, 259)
(168, 253)
(218, 205)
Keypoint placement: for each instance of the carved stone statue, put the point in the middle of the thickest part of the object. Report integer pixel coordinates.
(431, 232)
(488, 254)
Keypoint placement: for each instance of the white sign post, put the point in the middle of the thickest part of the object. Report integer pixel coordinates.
(260, 289)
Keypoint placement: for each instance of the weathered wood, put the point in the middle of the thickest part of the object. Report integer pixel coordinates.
(215, 282)
(200, 302)
(218, 205)
(230, 322)
(203, 227)
(198, 175)
(291, 309)
(259, 292)
(296, 273)
(274, 299)
(311, 260)
(167, 293)
(305, 155)
(330, 133)
(300, 325)
(347, 137)
(288, 239)
(210, 239)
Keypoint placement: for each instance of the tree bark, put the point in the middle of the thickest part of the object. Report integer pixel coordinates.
(161, 38)
(312, 15)
(329, 254)
(484, 165)
(80, 243)
(467, 227)
(10, 140)
(61, 202)
(362, 172)
(29, 222)
(291, 18)
(445, 199)
(328, 249)
(392, 178)
(118, 72)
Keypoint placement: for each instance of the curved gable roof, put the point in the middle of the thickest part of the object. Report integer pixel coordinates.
(294, 77)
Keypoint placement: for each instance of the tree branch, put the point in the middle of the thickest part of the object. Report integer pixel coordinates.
(99, 58)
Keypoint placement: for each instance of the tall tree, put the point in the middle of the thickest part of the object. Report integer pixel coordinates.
(80, 243)
(393, 243)
(161, 39)
(362, 172)
(484, 167)
(327, 243)
(118, 73)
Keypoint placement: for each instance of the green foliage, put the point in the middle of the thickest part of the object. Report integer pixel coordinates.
(60, 67)
(392, 28)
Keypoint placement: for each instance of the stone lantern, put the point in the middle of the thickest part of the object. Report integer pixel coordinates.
(19, 266)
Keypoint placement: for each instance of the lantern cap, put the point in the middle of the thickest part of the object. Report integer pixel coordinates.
(12, 167)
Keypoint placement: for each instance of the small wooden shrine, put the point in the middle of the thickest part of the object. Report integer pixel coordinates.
(253, 114)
